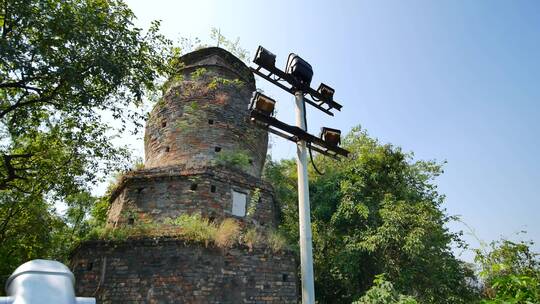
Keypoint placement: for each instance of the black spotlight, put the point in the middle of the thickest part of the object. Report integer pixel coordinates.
(327, 93)
(299, 69)
(331, 136)
(265, 58)
(263, 104)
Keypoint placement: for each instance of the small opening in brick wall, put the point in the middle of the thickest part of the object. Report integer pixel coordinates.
(163, 124)
(210, 121)
(89, 266)
(284, 277)
(193, 187)
(212, 188)
(131, 221)
(167, 149)
(217, 149)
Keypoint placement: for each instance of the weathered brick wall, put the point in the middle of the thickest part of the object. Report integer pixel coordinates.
(198, 134)
(168, 271)
(203, 116)
(160, 193)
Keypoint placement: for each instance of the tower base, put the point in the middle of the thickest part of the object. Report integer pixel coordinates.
(167, 270)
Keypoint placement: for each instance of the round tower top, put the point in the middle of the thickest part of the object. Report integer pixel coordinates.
(216, 56)
(202, 120)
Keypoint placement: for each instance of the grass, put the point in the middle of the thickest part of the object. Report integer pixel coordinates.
(227, 234)
(195, 228)
(252, 238)
(238, 159)
(276, 241)
(141, 229)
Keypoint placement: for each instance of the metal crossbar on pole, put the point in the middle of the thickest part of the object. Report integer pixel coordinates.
(298, 75)
(294, 134)
(306, 251)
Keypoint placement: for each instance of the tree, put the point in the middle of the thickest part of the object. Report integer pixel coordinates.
(65, 65)
(383, 292)
(376, 212)
(510, 272)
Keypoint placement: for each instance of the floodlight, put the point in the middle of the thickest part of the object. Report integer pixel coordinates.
(331, 136)
(265, 58)
(327, 93)
(263, 104)
(299, 69)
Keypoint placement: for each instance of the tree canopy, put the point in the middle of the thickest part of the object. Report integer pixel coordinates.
(65, 65)
(377, 212)
(73, 74)
(510, 272)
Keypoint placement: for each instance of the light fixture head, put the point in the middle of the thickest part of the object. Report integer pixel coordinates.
(263, 104)
(264, 58)
(326, 92)
(331, 136)
(300, 69)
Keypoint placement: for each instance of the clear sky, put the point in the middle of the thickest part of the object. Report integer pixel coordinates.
(448, 80)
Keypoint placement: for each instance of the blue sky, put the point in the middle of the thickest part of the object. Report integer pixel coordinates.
(448, 80)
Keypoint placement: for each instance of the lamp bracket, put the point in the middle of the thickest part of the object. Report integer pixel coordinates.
(276, 77)
(295, 134)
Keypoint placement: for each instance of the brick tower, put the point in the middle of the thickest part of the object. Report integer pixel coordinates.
(202, 156)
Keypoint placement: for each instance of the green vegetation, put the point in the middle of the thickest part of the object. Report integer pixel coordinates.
(276, 240)
(64, 65)
(227, 234)
(175, 79)
(143, 228)
(233, 47)
(237, 159)
(191, 117)
(253, 202)
(198, 74)
(252, 238)
(193, 228)
(510, 272)
(378, 212)
(216, 82)
(383, 292)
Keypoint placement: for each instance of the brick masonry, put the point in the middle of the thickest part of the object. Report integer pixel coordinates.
(200, 147)
(204, 116)
(158, 194)
(169, 271)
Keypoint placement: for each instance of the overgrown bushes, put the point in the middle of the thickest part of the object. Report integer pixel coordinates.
(383, 292)
(195, 228)
(510, 272)
(238, 159)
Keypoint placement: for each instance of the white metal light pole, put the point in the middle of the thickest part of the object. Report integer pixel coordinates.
(298, 75)
(306, 252)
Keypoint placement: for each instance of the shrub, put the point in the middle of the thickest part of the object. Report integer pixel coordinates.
(198, 73)
(238, 159)
(227, 233)
(195, 228)
(252, 238)
(107, 233)
(510, 272)
(276, 241)
(143, 228)
(383, 292)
